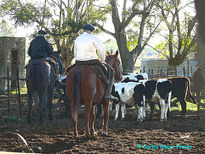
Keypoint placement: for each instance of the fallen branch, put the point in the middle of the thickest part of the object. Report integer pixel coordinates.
(21, 137)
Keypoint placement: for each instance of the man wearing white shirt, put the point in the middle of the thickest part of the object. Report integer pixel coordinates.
(89, 50)
(86, 45)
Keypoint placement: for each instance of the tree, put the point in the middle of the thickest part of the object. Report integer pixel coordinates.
(124, 25)
(200, 10)
(180, 40)
(61, 19)
(6, 29)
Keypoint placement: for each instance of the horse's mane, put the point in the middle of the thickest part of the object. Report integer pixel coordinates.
(53, 57)
(109, 58)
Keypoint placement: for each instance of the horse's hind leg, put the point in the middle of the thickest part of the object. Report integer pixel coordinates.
(92, 120)
(106, 117)
(75, 123)
(30, 102)
(88, 109)
(42, 109)
(50, 104)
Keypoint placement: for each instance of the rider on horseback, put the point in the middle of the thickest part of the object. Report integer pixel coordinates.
(40, 49)
(85, 53)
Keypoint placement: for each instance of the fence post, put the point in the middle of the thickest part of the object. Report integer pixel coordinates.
(188, 68)
(143, 69)
(18, 88)
(8, 90)
(184, 71)
(175, 70)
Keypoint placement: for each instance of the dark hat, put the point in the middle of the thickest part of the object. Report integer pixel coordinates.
(89, 27)
(42, 32)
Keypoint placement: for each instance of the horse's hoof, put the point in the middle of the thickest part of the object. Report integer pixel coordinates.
(122, 118)
(105, 134)
(140, 120)
(162, 120)
(51, 118)
(93, 134)
(76, 136)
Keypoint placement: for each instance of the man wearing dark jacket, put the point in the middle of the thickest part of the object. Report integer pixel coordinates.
(39, 47)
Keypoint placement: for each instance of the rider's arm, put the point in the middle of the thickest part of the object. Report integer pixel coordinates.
(48, 48)
(75, 50)
(29, 50)
(100, 48)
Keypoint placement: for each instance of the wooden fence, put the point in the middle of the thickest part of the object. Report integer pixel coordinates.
(16, 79)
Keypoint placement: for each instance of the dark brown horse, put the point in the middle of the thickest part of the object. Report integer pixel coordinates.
(83, 86)
(199, 82)
(41, 76)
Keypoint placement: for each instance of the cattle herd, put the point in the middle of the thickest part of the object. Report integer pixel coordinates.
(136, 89)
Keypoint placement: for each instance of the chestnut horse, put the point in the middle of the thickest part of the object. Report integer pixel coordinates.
(83, 86)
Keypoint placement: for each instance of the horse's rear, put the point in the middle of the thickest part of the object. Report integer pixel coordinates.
(85, 87)
(40, 80)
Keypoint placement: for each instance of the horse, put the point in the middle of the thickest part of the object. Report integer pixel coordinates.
(83, 86)
(41, 75)
(199, 82)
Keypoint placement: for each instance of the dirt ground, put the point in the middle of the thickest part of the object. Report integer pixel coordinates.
(125, 136)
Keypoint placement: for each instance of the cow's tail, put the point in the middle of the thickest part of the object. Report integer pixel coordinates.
(190, 93)
(75, 94)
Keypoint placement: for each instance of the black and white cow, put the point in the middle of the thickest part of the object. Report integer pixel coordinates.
(124, 92)
(181, 88)
(153, 91)
(134, 77)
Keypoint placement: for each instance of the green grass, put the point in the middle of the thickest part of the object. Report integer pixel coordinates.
(11, 119)
(22, 91)
(190, 106)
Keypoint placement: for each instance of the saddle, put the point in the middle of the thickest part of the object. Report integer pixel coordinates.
(50, 60)
(102, 70)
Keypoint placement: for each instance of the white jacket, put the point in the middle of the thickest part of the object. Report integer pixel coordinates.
(85, 48)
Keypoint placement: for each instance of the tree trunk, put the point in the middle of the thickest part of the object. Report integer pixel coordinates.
(126, 56)
(67, 55)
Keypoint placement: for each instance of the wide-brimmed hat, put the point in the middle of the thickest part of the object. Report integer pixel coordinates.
(42, 32)
(89, 27)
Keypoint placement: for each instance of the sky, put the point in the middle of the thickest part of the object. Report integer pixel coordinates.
(27, 31)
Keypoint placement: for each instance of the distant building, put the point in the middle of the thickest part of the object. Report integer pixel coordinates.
(159, 66)
(12, 55)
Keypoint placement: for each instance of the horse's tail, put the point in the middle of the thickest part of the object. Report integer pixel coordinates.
(76, 93)
(189, 92)
(35, 78)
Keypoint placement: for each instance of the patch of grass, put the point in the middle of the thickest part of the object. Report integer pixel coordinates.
(11, 119)
(22, 91)
(190, 107)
